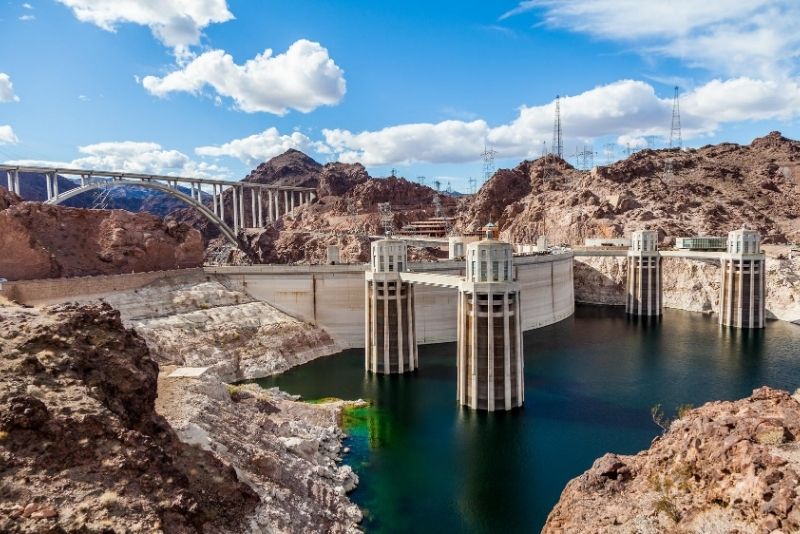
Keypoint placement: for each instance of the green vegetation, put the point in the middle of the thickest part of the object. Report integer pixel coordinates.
(323, 400)
(664, 422)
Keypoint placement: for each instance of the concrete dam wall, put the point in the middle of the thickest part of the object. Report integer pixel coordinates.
(333, 296)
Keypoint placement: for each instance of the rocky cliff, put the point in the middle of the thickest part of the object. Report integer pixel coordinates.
(44, 241)
(691, 285)
(710, 191)
(287, 451)
(724, 467)
(81, 447)
(201, 323)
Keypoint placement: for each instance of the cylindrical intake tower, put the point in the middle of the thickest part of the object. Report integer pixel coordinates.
(490, 363)
(390, 344)
(743, 277)
(643, 294)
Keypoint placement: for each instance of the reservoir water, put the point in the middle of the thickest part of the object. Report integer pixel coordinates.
(426, 465)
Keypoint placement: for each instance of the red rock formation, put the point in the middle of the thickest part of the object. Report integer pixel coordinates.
(44, 241)
(81, 447)
(715, 189)
(724, 467)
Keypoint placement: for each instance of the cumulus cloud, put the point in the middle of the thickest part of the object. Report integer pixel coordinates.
(262, 146)
(442, 142)
(627, 109)
(7, 135)
(302, 78)
(27, 18)
(756, 37)
(7, 89)
(137, 157)
(176, 23)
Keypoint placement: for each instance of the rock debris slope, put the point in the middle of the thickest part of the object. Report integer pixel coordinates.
(81, 446)
(722, 468)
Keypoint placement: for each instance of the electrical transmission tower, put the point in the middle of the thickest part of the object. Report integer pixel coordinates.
(472, 183)
(488, 155)
(394, 173)
(436, 185)
(421, 180)
(387, 217)
(608, 152)
(439, 213)
(675, 139)
(558, 143)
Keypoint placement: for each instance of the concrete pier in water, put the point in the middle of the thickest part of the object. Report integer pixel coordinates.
(643, 295)
(490, 363)
(742, 291)
(390, 341)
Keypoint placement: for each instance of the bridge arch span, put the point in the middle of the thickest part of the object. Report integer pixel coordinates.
(226, 230)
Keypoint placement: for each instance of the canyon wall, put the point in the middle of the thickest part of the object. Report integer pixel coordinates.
(688, 284)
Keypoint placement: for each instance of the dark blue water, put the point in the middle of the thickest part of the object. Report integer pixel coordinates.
(427, 465)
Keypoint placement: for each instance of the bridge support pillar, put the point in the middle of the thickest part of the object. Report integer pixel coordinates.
(291, 196)
(270, 207)
(13, 181)
(644, 290)
(490, 356)
(253, 223)
(235, 197)
(391, 345)
(260, 210)
(242, 223)
(742, 291)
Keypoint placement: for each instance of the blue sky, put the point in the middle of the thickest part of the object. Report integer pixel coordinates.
(165, 85)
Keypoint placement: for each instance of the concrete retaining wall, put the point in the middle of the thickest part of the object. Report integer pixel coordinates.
(332, 296)
(55, 290)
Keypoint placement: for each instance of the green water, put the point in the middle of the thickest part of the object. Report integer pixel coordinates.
(427, 465)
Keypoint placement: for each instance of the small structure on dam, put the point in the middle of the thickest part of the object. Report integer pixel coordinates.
(743, 281)
(390, 343)
(643, 295)
(490, 363)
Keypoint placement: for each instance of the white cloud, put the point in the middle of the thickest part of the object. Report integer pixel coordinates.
(627, 110)
(176, 23)
(302, 78)
(27, 18)
(262, 146)
(756, 37)
(133, 156)
(7, 135)
(7, 89)
(442, 142)
(27, 6)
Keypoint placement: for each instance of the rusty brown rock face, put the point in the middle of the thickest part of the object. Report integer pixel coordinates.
(81, 446)
(43, 241)
(723, 467)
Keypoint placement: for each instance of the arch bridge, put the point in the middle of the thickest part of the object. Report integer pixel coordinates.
(267, 202)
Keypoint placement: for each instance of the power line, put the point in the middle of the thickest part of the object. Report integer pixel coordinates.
(675, 139)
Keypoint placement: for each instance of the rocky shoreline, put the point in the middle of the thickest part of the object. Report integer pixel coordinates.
(723, 467)
(281, 455)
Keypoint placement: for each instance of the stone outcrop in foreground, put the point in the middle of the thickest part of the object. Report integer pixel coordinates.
(81, 446)
(46, 241)
(724, 467)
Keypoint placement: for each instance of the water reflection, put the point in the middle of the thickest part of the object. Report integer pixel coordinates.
(427, 465)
